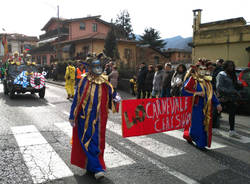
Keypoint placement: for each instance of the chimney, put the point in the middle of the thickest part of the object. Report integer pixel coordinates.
(197, 19)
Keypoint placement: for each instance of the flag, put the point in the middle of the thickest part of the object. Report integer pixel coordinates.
(5, 44)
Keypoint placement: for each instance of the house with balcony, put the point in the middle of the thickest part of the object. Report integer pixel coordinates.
(17, 42)
(70, 39)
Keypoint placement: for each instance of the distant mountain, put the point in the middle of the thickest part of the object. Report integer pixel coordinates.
(176, 42)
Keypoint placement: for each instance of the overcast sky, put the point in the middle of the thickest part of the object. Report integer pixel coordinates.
(169, 17)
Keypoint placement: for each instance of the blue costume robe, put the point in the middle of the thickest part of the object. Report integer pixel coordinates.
(200, 130)
(93, 98)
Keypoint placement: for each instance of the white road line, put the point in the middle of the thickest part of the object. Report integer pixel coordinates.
(43, 162)
(179, 135)
(158, 148)
(113, 158)
(243, 139)
(240, 129)
(160, 165)
(65, 112)
(52, 105)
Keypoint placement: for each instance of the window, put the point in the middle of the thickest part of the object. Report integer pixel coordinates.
(9, 48)
(94, 27)
(82, 26)
(44, 62)
(179, 54)
(157, 59)
(128, 53)
(85, 50)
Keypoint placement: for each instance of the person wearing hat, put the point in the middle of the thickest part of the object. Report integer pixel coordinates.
(70, 80)
(198, 85)
(24, 57)
(79, 72)
(16, 58)
(88, 117)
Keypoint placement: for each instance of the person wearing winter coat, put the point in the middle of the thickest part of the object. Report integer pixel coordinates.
(149, 81)
(113, 77)
(178, 80)
(227, 86)
(166, 84)
(157, 82)
(141, 81)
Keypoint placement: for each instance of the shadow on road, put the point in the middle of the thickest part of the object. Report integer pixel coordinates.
(89, 178)
(24, 100)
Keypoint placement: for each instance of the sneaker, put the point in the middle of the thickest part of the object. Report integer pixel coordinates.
(216, 131)
(84, 171)
(99, 175)
(233, 134)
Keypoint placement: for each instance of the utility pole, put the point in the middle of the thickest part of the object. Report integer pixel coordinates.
(58, 35)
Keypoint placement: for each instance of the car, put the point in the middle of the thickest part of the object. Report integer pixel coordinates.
(23, 78)
(243, 75)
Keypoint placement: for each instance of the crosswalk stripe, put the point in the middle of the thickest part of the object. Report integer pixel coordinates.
(43, 162)
(242, 139)
(113, 158)
(158, 148)
(179, 135)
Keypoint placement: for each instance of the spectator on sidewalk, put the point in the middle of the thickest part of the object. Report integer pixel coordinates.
(166, 84)
(157, 82)
(133, 86)
(227, 89)
(149, 81)
(178, 80)
(141, 81)
(54, 72)
(79, 72)
(113, 77)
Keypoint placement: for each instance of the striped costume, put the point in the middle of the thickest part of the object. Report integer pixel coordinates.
(93, 98)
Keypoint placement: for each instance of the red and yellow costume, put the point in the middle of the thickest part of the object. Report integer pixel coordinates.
(93, 98)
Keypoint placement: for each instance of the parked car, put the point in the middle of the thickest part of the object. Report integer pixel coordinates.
(23, 78)
(243, 75)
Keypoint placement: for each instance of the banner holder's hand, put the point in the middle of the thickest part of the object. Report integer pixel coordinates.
(72, 122)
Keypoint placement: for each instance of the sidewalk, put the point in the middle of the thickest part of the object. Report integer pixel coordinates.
(123, 94)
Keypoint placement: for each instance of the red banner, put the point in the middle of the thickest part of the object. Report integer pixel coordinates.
(148, 116)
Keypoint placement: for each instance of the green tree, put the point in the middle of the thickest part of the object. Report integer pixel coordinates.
(152, 37)
(110, 46)
(123, 27)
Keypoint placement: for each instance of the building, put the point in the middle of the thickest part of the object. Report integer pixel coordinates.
(69, 39)
(177, 56)
(228, 39)
(17, 42)
(149, 55)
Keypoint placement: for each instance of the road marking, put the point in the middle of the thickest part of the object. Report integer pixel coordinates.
(113, 158)
(52, 105)
(160, 165)
(158, 148)
(65, 112)
(43, 162)
(237, 127)
(179, 135)
(243, 139)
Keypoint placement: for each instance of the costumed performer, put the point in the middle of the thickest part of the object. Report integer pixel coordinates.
(89, 113)
(70, 80)
(198, 85)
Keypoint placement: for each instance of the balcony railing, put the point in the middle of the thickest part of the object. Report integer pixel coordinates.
(53, 33)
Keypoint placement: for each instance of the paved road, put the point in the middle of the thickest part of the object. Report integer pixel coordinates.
(35, 148)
